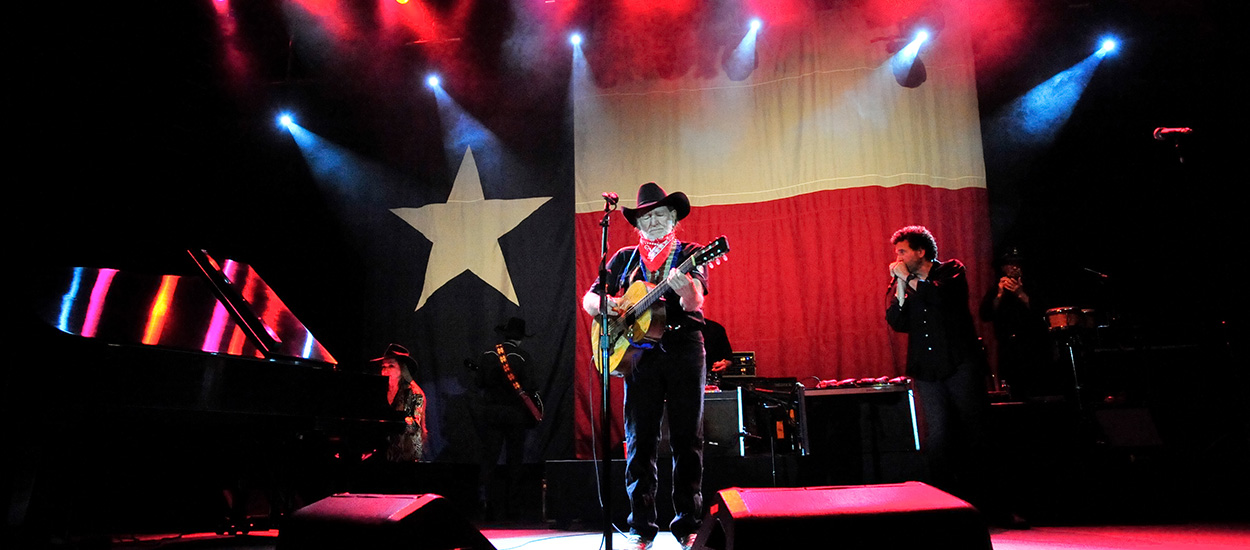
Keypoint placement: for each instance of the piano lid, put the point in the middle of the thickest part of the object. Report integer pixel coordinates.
(225, 308)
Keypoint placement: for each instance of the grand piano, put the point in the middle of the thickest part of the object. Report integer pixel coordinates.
(187, 401)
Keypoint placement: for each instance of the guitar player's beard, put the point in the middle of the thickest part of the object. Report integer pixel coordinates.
(659, 231)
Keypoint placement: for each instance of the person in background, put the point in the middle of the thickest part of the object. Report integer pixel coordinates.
(405, 396)
(502, 415)
(719, 351)
(1019, 327)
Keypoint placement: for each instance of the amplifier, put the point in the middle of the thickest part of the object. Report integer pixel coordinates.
(722, 425)
(740, 364)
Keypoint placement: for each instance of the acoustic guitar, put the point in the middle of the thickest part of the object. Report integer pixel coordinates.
(641, 320)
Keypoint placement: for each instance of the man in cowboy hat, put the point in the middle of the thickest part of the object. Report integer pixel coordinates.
(404, 395)
(500, 414)
(670, 375)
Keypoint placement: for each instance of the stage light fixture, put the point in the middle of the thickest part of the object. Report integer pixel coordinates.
(909, 71)
(1108, 45)
(741, 61)
(432, 81)
(904, 47)
(575, 39)
(285, 120)
(912, 49)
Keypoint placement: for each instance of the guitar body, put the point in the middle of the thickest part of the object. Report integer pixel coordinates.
(627, 340)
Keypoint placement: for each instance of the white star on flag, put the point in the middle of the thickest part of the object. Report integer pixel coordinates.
(465, 232)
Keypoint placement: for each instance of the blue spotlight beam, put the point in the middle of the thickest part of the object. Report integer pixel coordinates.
(581, 84)
(1036, 117)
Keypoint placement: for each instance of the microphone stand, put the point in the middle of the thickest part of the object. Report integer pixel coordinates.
(605, 355)
(764, 395)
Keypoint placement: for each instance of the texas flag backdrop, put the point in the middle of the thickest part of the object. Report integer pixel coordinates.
(807, 158)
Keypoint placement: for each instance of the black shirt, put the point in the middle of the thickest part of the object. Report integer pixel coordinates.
(937, 320)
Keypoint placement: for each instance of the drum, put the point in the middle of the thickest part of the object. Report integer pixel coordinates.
(1069, 318)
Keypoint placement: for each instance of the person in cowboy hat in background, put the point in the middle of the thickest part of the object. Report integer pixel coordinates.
(670, 375)
(404, 395)
(502, 416)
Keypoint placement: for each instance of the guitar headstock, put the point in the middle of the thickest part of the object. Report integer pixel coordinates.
(712, 251)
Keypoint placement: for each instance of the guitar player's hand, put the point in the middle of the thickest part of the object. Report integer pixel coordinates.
(678, 281)
(590, 304)
(691, 291)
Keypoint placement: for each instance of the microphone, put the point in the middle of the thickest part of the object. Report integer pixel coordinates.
(611, 197)
(1162, 133)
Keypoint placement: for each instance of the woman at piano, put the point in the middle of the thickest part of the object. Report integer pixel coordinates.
(405, 396)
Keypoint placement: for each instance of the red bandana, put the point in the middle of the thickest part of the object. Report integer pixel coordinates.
(654, 253)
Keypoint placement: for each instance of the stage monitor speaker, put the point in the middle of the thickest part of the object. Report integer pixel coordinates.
(379, 521)
(1128, 427)
(901, 515)
(860, 435)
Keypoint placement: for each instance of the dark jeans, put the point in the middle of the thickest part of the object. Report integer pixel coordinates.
(954, 438)
(500, 428)
(669, 375)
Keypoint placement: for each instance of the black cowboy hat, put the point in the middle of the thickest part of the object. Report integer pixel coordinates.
(514, 328)
(651, 195)
(398, 353)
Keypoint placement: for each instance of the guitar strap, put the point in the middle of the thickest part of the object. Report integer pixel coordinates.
(507, 370)
(627, 273)
(516, 384)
